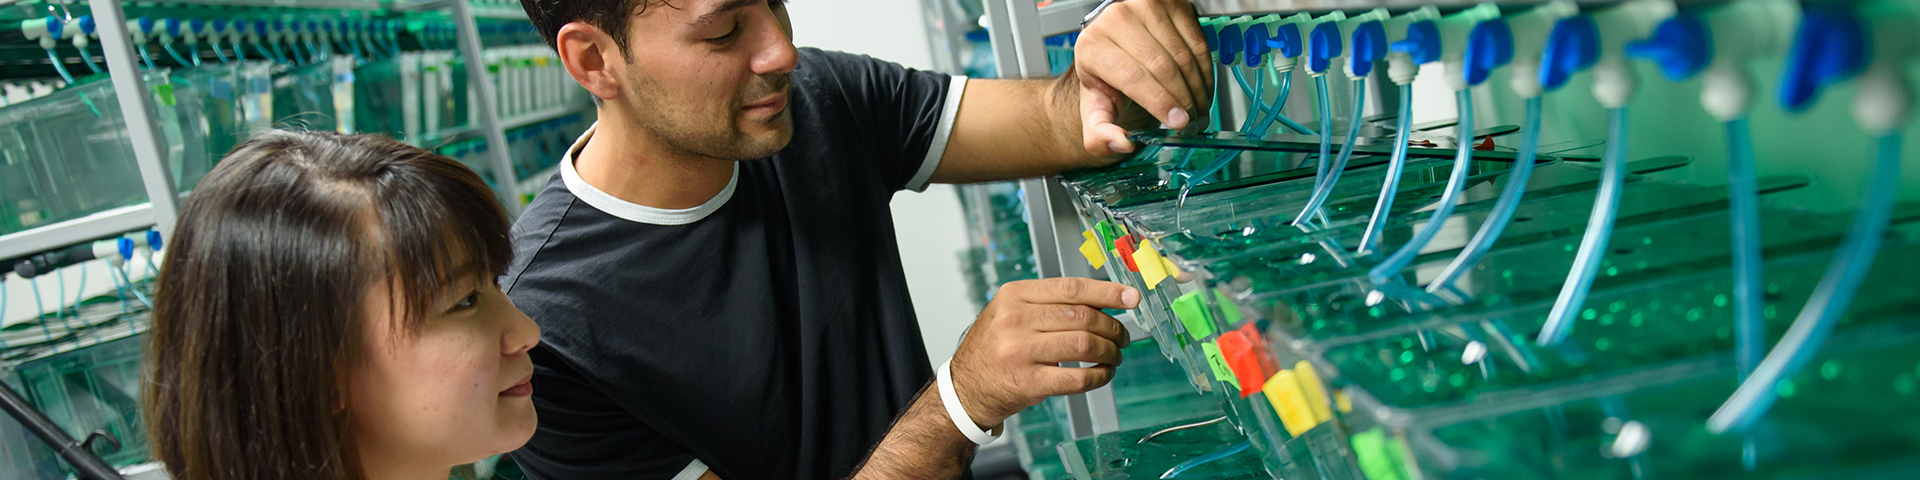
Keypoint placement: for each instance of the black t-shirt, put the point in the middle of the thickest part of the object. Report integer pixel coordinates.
(764, 334)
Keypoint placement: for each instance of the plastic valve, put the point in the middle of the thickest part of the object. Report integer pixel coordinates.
(1453, 31)
(1489, 46)
(1530, 30)
(1286, 39)
(48, 31)
(1322, 47)
(1573, 46)
(1883, 95)
(1679, 46)
(1308, 24)
(1255, 44)
(1613, 79)
(1830, 47)
(1401, 66)
(1369, 46)
(1231, 42)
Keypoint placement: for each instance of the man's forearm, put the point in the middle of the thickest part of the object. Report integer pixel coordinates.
(923, 443)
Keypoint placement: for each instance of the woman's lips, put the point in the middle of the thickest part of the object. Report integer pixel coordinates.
(522, 389)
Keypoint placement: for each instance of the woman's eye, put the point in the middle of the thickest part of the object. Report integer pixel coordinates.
(467, 302)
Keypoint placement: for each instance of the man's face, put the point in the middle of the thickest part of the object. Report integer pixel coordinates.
(710, 77)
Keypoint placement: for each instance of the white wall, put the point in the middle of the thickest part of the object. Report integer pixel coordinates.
(929, 224)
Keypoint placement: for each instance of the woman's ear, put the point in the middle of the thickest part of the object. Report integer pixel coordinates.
(592, 58)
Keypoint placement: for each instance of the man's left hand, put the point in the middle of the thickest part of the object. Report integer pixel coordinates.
(1148, 52)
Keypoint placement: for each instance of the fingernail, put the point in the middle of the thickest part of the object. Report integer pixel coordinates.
(1130, 297)
(1119, 146)
(1177, 118)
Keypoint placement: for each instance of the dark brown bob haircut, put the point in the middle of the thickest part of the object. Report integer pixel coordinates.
(257, 314)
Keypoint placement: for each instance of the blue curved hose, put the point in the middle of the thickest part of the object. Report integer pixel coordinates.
(1397, 166)
(175, 54)
(1205, 459)
(239, 53)
(1749, 296)
(1503, 208)
(1258, 99)
(91, 65)
(1325, 189)
(1462, 163)
(1830, 299)
(1593, 247)
(1326, 126)
(58, 67)
(1273, 114)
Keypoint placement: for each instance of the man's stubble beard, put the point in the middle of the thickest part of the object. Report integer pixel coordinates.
(681, 127)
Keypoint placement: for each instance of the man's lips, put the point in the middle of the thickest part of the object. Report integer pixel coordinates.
(769, 106)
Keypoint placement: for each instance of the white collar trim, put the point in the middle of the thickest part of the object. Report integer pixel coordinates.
(634, 212)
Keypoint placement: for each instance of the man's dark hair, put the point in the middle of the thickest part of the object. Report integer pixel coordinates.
(609, 15)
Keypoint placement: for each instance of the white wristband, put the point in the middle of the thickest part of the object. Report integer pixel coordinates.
(951, 399)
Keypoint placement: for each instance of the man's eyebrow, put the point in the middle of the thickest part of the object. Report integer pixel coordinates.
(714, 14)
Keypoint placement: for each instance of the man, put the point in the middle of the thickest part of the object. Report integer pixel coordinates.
(715, 270)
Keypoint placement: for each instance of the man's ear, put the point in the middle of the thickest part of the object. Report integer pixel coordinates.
(592, 58)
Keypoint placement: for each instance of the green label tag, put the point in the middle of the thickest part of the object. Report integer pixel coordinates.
(164, 92)
(1219, 364)
(1191, 309)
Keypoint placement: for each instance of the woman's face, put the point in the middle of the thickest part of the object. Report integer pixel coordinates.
(458, 390)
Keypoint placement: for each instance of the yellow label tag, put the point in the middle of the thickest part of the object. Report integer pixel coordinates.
(1316, 394)
(1096, 256)
(1340, 400)
(1152, 266)
(1172, 270)
(1283, 391)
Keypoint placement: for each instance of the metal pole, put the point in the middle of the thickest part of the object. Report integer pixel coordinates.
(503, 176)
(84, 462)
(136, 104)
(1052, 219)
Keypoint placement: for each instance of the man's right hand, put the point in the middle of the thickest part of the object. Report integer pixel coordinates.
(1010, 358)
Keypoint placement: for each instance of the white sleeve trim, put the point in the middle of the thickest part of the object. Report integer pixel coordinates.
(938, 148)
(694, 470)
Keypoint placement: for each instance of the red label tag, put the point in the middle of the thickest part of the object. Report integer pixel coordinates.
(1125, 246)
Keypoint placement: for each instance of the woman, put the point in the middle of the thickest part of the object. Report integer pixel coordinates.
(328, 310)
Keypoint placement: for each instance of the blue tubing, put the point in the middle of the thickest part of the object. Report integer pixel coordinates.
(1273, 114)
(1829, 301)
(1502, 209)
(1257, 99)
(1462, 161)
(1326, 126)
(58, 67)
(1205, 459)
(1593, 247)
(175, 54)
(1325, 189)
(1397, 166)
(1749, 296)
(91, 65)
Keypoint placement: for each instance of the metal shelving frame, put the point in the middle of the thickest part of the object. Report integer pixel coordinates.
(130, 90)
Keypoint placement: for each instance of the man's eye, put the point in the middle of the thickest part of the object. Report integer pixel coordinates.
(728, 37)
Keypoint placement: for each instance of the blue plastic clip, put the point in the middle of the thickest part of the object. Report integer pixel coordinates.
(1830, 47)
(1230, 44)
(1573, 46)
(1422, 42)
(1256, 44)
(153, 239)
(1369, 46)
(1325, 46)
(86, 25)
(1489, 46)
(1679, 45)
(1286, 39)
